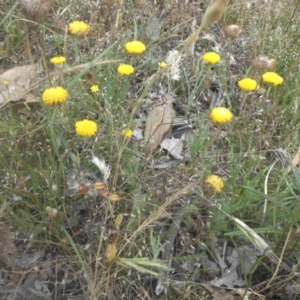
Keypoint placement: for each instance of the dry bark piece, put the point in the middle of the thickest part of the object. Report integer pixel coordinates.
(158, 124)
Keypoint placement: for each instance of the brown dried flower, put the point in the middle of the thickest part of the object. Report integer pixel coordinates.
(35, 8)
(233, 30)
(263, 63)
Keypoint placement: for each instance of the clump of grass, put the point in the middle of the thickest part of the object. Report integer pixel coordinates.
(116, 224)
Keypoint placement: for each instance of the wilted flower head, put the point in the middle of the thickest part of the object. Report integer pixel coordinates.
(263, 63)
(215, 182)
(35, 8)
(233, 30)
(125, 69)
(55, 95)
(211, 57)
(248, 84)
(221, 116)
(272, 77)
(135, 47)
(79, 28)
(86, 128)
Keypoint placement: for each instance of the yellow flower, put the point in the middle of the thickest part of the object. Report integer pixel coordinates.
(220, 116)
(135, 47)
(125, 69)
(215, 182)
(95, 88)
(211, 57)
(5, 82)
(55, 95)
(248, 84)
(79, 28)
(127, 132)
(57, 60)
(86, 128)
(162, 64)
(272, 77)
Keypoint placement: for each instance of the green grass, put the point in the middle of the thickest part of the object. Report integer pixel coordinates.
(40, 150)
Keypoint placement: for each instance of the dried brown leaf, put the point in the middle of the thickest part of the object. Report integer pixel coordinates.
(295, 161)
(159, 122)
(17, 85)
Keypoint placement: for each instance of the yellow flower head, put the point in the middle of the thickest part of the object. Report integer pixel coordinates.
(272, 77)
(125, 69)
(95, 88)
(162, 64)
(211, 57)
(86, 128)
(55, 95)
(127, 132)
(248, 84)
(135, 47)
(5, 82)
(220, 116)
(79, 28)
(57, 60)
(215, 182)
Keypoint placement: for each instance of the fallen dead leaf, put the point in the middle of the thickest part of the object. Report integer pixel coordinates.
(158, 124)
(15, 84)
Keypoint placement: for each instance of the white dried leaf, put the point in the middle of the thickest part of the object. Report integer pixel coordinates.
(174, 146)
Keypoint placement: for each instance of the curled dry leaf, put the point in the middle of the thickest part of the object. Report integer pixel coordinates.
(158, 124)
(15, 84)
(111, 252)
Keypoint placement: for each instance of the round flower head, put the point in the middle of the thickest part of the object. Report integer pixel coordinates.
(79, 28)
(215, 182)
(272, 77)
(221, 116)
(127, 132)
(57, 60)
(211, 57)
(233, 30)
(86, 128)
(162, 64)
(95, 88)
(263, 63)
(125, 69)
(135, 47)
(55, 95)
(248, 84)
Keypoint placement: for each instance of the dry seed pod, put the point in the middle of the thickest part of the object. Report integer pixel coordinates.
(35, 8)
(99, 186)
(233, 31)
(263, 63)
(104, 193)
(111, 252)
(118, 220)
(114, 197)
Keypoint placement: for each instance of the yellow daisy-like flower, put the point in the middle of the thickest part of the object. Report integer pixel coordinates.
(5, 82)
(272, 77)
(248, 84)
(79, 28)
(135, 47)
(125, 69)
(55, 95)
(215, 182)
(127, 132)
(86, 128)
(221, 116)
(162, 64)
(95, 88)
(58, 60)
(211, 57)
